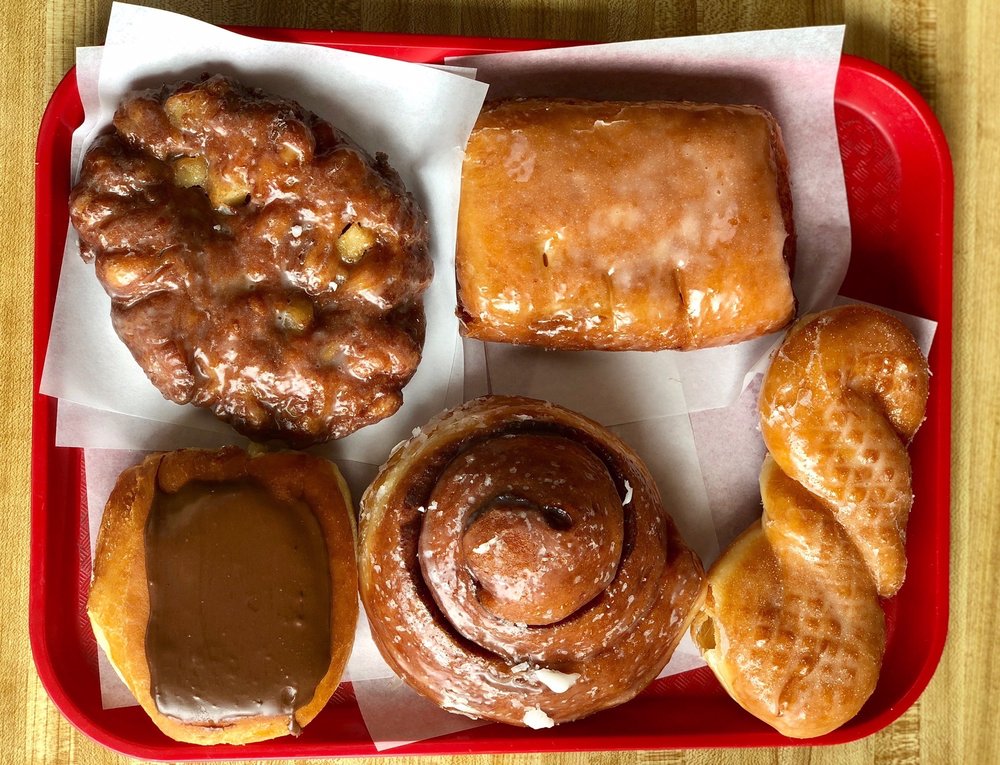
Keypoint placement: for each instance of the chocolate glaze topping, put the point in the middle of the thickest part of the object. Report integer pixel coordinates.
(239, 603)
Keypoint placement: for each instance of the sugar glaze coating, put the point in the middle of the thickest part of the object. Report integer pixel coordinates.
(624, 225)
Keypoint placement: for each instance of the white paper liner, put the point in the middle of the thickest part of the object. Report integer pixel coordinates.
(730, 452)
(792, 73)
(667, 446)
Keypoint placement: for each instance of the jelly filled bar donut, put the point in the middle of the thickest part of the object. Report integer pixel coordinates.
(225, 590)
(517, 565)
(259, 262)
(792, 625)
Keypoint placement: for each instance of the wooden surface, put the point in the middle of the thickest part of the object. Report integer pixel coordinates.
(947, 48)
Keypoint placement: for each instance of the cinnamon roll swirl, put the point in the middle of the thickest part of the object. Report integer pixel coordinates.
(517, 565)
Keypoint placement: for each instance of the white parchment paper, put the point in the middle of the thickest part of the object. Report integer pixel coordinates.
(790, 72)
(420, 116)
(667, 446)
(713, 498)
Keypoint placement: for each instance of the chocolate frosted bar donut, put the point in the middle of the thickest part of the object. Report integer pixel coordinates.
(225, 590)
(624, 226)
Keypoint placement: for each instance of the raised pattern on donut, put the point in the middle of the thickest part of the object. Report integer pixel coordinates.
(842, 398)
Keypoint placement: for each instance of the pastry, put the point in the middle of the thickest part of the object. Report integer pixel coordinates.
(842, 398)
(224, 590)
(792, 624)
(624, 226)
(517, 565)
(259, 262)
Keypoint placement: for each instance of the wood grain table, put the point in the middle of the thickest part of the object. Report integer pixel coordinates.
(949, 49)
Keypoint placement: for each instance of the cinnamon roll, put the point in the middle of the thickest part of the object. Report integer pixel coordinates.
(224, 590)
(517, 565)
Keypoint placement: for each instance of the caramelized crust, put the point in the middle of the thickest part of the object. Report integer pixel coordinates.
(119, 600)
(517, 565)
(624, 226)
(792, 625)
(259, 262)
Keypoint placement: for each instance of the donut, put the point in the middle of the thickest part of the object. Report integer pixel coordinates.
(224, 590)
(792, 624)
(624, 226)
(259, 262)
(842, 398)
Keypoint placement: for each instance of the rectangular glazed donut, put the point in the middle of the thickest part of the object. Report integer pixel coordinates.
(624, 225)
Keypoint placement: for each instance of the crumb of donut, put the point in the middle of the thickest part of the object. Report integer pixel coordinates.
(557, 682)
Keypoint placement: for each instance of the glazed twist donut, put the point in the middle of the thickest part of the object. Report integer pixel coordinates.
(517, 565)
(792, 624)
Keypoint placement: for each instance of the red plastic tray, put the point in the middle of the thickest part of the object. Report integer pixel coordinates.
(899, 183)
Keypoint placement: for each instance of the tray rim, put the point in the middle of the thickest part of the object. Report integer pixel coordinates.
(43, 409)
